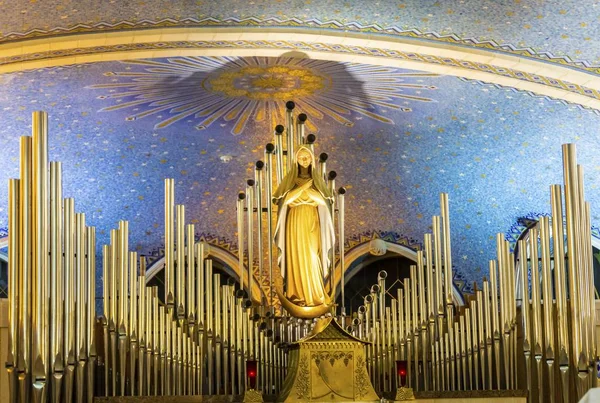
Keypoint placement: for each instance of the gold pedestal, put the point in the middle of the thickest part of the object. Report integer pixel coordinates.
(327, 365)
(404, 394)
(253, 396)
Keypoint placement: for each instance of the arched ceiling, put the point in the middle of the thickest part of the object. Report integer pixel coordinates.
(409, 100)
(562, 31)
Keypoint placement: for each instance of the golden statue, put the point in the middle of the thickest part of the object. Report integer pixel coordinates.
(305, 236)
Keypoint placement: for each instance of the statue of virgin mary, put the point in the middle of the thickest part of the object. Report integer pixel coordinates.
(304, 233)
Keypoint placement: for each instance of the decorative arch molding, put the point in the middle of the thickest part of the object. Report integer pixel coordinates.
(218, 249)
(3, 238)
(511, 70)
(524, 223)
(378, 243)
(519, 230)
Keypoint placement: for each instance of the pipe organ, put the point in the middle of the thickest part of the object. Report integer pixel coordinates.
(531, 324)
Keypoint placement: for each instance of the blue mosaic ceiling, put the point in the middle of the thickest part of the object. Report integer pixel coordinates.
(561, 31)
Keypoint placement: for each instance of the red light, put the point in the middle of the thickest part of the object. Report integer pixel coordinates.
(251, 374)
(402, 373)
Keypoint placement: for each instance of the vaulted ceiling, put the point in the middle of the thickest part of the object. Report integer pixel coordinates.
(408, 99)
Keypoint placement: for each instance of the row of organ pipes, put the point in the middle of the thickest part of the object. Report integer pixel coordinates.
(531, 325)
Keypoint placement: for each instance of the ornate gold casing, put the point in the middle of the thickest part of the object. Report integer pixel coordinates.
(327, 365)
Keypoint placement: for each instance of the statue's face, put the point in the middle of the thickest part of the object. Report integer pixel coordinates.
(304, 159)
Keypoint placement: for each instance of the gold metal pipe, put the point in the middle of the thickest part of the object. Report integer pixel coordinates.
(200, 298)
(80, 287)
(157, 340)
(504, 305)
(496, 332)
(447, 359)
(241, 242)
(586, 280)
(113, 318)
(448, 281)
(559, 277)
(437, 384)
(452, 356)
(341, 245)
(70, 312)
(437, 242)
(407, 321)
(200, 315)
(585, 262)
(168, 359)
(40, 249)
(258, 180)
(300, 127)
(443, 362)
(423, 316)
(179, 365)
(173, 373)
(169, 242)
(14, 295)
(180, 262)
(460, 385)
(430, 275)
(191, 275)
(25, 233)
(279, 153)
(512, 272)
(217, 331)
(56, 279)
(401, 322)
(415, 324)
(394, 341)
(548, 302)
(481, 337)
(463, 349)
(289, 126)
(591, 289)
(123, 249)
(142, 329)
(209, 326)
(474, 344)
(535, 293)
(163, 328)
(133, 311)
(468, 349)
(91, 312)
(538, 342)
(489, 333)
(149, 342)
(269, 193)
(225, 336)
(574, 254)
(250, 235)
(525, 310)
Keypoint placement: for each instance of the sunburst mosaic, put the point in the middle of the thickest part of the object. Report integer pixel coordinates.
(207, 90)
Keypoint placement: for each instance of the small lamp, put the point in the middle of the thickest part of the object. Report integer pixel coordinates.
(251, 394)
(401, 371)
(403, 393)
(251, 373)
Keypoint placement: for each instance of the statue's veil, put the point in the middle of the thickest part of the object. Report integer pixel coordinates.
(289, 181)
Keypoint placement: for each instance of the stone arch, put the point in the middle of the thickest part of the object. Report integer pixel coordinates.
(217, 252)
(376, 245)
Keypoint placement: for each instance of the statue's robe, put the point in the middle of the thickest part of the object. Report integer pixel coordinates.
(305, 236)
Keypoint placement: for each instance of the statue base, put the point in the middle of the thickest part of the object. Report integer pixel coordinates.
(404, 394)
(327, 365)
